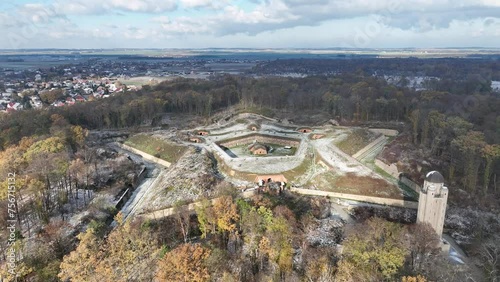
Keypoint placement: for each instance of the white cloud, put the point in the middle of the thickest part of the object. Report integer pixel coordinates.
(214, 4)
(412, 14)
(184, 25)
(101, 6)
(261, 20)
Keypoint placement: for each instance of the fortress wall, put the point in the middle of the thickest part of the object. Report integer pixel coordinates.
(386, 132)
(369, 146)
(191, 208)
(408, 182)
(360, 198)
(261, 165)
(260, 138)
(145, 155)
(390, 169)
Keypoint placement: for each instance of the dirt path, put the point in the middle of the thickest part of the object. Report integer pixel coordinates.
(339, 160)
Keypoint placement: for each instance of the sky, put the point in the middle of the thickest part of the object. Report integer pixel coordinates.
(95, 24)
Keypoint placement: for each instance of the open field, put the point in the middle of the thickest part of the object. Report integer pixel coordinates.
(356, 140)
(156, 147)
(143, 80)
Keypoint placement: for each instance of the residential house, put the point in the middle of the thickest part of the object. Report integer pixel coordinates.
(80, 98)
(58, 104)
(14, 106)
(70, 101)
(35, 102)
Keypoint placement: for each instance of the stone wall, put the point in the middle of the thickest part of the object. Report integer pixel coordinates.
(408, 182)
(191, 208)
(145, 155)
(386, 132)
(369, 147)
(360, 198)
(126, 195)
(259, 138)
(260, 165)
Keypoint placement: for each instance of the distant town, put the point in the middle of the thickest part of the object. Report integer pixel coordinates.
(35, 81)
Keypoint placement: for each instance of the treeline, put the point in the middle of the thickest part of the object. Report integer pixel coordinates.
(452, 70)
(346, 97)
(470, 160)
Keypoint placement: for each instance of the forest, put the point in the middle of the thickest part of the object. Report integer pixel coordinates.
(235, 239)
(266, 238)
(463, 131)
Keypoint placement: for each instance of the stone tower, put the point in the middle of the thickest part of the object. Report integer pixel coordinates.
(432, 201)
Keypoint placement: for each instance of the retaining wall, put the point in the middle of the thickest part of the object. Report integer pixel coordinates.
(369, 146)
(145, 155)
(360, 198)
(126, 195)
(191, 208)
(408, 182)
(384, 131)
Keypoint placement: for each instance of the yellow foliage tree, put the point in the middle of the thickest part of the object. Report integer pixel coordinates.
(184, 263)
(80, 265)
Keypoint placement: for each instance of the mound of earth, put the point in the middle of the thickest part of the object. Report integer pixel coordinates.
(193, 177)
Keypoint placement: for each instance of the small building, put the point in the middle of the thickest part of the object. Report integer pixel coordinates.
(14, 106)
(317, 136)
(70, 101)
(202, 132)
(304, 130)
(195, 139)
(80, 98)
(258, 149)
(254, 127)
(334, 122)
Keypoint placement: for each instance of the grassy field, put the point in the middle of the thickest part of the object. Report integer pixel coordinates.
(156, 147)
(142, 80)
(356, 141)
(302, 170)
(353, 184)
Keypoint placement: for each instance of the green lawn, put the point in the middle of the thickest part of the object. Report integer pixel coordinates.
(154, 146)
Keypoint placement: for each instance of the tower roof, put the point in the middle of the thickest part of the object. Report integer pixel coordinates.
(434, 177)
